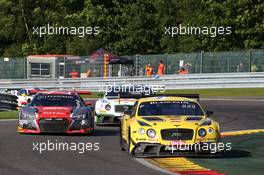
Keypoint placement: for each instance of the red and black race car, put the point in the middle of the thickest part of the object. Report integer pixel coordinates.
(56, 112)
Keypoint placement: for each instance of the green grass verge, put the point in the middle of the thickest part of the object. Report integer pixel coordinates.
(232, 92)
(9, 115)
(246, 156)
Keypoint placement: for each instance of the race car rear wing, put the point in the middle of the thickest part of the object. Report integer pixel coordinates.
(194, 96)
(12, 89)
(35, 91)
(137, 96)
(79, 92)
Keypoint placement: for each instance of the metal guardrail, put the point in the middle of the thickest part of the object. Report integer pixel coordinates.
(8, 102)
(189, 81)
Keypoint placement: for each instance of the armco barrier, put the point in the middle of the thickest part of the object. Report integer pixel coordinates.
(8, 102)
(190, 81)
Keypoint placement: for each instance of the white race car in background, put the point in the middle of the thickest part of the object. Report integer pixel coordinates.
(110, 108)
(24, 95)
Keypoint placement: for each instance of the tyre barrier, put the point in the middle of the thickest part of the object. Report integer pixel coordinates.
(8, 102)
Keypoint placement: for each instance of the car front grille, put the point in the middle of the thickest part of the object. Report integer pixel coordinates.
(53, 125)
(122, 108)
(110, 120)
(177, 134)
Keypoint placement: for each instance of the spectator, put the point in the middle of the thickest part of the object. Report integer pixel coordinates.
(161, 68)
(149, 70)
(94, 72)
(126, 71)
(188, 67)
(89, 73)
(183, 71)
(141, 72)
(131, 71)
(169, 69)
(240, 67)
(74, 74)
(254, 68)
(119, 73)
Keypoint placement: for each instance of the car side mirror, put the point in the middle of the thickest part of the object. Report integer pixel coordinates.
(208, 113)
(127, 112)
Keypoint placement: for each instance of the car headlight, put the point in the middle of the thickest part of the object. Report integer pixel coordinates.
(27, 116)
(141, 131)
(210, 130)
(151, 133)
(202, 132)
(108, 107)
(79, 117)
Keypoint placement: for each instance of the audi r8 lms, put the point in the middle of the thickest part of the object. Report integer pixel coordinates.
(56, 112)
(111, 107)
(166, 125)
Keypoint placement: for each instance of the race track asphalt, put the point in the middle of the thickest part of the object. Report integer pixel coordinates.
(18, 158)
(237, 114)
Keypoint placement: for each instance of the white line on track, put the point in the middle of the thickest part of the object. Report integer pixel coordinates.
(154, 167)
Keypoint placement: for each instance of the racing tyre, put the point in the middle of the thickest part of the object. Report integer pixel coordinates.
(122, 147)
(129, 142)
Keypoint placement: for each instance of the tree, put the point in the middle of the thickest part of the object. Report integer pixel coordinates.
(129, 26)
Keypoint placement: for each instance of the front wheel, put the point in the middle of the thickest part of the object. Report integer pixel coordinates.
(129, 142)
(121, 140)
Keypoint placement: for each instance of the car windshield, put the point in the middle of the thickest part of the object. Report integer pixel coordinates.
(55, 100)
(169, 108)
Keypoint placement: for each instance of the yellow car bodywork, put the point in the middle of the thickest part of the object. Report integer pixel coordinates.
(133, 128)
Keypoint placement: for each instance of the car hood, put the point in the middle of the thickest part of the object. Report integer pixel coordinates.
(174, 121)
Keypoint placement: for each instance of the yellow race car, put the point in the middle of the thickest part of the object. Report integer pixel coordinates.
(169, 125)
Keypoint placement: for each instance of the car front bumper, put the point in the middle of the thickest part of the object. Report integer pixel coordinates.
(107, 119)
(144, 149)
(55, 126)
